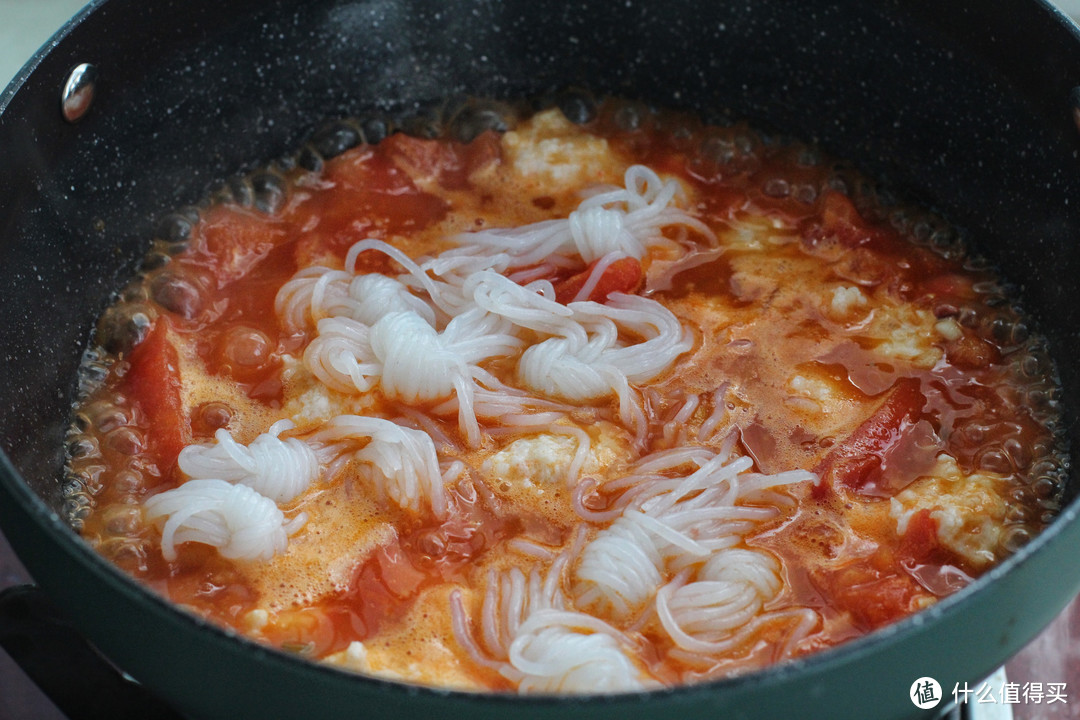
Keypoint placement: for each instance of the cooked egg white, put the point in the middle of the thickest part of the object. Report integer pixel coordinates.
(969, 509)
(905, 333)
(550, 154)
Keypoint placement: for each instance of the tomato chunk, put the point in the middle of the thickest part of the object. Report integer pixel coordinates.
(236, 239)
(855, 461)
(373, 197)
(153, 380)
(840, 221)
(397, 572)
(920, 542)
(624, 275)
(874, 598)
(447, 163)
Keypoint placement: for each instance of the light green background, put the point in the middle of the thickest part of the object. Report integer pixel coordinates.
(25, 25)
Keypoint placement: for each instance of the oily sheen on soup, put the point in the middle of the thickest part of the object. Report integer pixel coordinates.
(569, 408)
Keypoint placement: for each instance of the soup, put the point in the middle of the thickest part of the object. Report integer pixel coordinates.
(556, 406)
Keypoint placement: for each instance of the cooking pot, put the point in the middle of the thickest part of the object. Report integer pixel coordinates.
(964, 106)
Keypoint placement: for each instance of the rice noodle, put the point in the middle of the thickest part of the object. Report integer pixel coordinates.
(510, 599)
(312, 294)
(620, 568)
(238, 521)
(586, 488)
(459, 623)
(732, 588)
(438, 292)
(559, 651)
(724, 610)
(532, 549)
(632, 227)
(674, 429)
(670, 524)
(319, 292)
(719, 412)
(409, 359)
(401, 463)
(279, 469)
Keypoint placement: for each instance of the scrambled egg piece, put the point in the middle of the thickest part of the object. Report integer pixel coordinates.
(545, 458)
(969, 509)
(949, 329)
(552, 153)
(309, 403)
(844, 301)
(815, 389)
(533, 472)
(344, 527)
(756, 233)
(537, 460)
(906, 333)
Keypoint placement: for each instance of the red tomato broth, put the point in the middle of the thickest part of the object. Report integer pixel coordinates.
(885, 586)
(970, 396)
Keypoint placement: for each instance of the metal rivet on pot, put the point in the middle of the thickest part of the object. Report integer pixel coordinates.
(1074, 101)
(78, 92)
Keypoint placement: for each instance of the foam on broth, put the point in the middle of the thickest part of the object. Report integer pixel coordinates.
(826, 333)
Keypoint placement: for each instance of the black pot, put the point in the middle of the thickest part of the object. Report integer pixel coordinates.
(967, 107)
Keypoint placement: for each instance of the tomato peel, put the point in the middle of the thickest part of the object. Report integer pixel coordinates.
(854, 462)
(623, 275)
(920, 543)
(153, 380)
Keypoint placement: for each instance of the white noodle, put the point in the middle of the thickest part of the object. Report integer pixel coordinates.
(279, 469)
(559, 651)
(409, 359)
(401, 463)
(722, 610)
(627, 220)
(312, 294)
(670, 524)
(239, 522)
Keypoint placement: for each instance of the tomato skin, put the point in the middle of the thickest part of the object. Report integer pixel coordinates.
(854, 462)
(624, 275)
(233, 240)
(875, 599)
(153, 383)
(397, 572)
(840, 220)
(447, 163)
(920, 544)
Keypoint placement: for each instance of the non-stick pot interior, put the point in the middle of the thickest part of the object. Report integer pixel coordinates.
(960, 106)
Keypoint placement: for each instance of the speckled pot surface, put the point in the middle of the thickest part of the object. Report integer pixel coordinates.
(961, 106)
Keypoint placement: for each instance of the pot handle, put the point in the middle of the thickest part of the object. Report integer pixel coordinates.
(67, 668)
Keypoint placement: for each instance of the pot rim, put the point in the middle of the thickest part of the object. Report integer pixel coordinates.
(818, 662)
